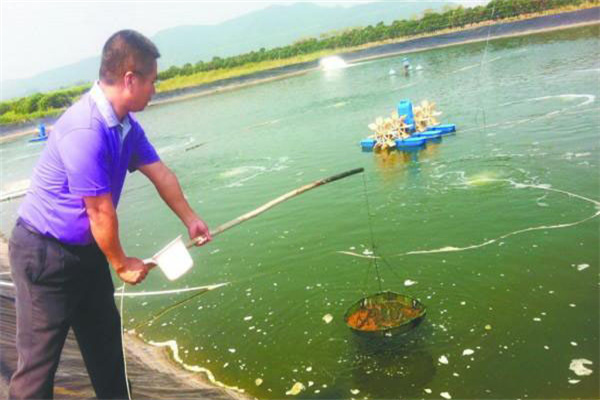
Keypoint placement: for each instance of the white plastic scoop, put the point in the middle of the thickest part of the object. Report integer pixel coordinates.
(175, 259)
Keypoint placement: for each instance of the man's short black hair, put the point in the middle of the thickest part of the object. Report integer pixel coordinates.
(126, 50)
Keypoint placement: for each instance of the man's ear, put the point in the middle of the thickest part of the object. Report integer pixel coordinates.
(128, 79)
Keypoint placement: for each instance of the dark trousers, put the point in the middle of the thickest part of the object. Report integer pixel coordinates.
(60, 286)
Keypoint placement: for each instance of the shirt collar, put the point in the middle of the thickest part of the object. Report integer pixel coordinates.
(106, 110)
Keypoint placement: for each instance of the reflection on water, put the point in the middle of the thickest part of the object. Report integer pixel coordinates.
(404, 359)
(395, 163)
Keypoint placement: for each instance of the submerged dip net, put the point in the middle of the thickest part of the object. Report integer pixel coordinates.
(385, 312)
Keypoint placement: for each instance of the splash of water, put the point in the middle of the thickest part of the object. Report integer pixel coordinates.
(482, 178)
(332, 63)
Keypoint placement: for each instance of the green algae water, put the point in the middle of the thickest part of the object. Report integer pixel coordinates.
(495, 229)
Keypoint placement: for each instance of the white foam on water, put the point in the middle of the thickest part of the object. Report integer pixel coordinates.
(295, 389)
(516, 185)
(172, 345)
(447, 249)
(166, 149)
(252, 171)
(168, 292)
(338, 104)
(350, 253)
(581, 267)
(471, 66)
(271, 122)
(240, 171)
(578, 366)
(589, 98)
(404, 86)
(588, 70)
(468, 67)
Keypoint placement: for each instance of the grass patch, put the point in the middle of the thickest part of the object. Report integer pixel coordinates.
(200, 78)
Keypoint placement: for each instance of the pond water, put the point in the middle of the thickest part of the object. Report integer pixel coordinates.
(494, 229)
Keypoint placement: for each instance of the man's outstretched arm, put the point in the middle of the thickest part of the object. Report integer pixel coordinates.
(168, 187)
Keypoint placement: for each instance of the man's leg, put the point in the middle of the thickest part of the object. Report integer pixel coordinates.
(97, 327)
(42, 312)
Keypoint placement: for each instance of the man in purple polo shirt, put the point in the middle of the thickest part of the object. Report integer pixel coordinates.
(67, 231)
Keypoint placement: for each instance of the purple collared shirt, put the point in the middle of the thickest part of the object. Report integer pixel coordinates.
(88, 153)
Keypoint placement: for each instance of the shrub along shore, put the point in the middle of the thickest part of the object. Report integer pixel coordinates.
(373, 41)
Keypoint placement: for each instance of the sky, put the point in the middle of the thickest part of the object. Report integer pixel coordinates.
(37, 36)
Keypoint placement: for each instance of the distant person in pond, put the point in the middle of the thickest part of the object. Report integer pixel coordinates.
(406, 65)
(67, 231)
(41, 130)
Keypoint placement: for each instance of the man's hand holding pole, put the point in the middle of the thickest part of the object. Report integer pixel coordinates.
(198, 230)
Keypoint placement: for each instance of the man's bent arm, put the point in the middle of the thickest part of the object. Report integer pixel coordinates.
(105, 229)
(168, 187)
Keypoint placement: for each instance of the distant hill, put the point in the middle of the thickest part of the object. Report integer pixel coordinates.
(271, 27)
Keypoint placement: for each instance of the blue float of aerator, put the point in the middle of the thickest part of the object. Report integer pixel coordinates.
(444, 128)
(405, 108)
(410, 142)
(430, 134)
(367, 144)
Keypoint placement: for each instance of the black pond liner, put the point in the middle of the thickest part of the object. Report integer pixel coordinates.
(384, 314)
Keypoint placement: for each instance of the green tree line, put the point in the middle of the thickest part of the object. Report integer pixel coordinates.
(37, 105)
(430, 22)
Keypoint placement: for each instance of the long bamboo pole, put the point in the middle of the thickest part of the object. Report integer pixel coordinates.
(273, 203)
